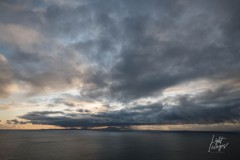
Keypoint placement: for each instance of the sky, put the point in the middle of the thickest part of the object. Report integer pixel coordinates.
(156, 64)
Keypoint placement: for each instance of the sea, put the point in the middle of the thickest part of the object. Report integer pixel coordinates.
(116, 145)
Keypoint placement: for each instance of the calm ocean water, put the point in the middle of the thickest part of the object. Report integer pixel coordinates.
(111, 145)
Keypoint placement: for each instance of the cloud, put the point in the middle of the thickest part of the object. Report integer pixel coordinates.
(5, 77)
(122, 53)
(37, 60)
(20, 36)
(84, 110)
(155, 48)
(15, 121)
(209, 107)
(69, 104)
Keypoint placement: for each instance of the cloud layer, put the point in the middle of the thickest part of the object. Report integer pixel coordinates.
(125, 55)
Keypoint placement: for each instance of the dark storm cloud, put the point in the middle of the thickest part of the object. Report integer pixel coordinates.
(189, 49)
(83, 110)
(15, 121)
(137, 47)
(162, 43)
(207, 108)
(122, 51)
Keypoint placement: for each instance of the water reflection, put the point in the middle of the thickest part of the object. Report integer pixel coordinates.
(102, 145)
